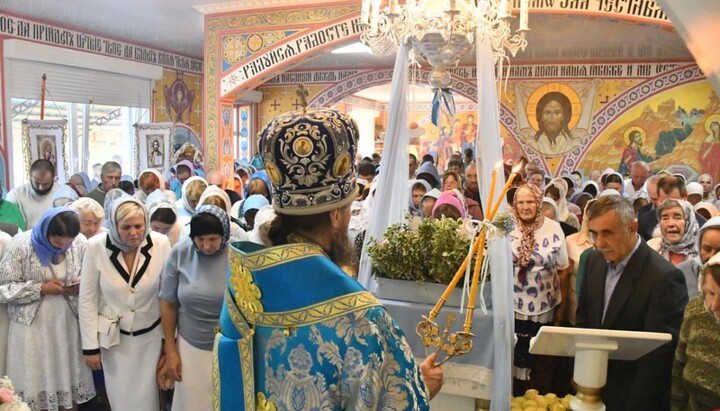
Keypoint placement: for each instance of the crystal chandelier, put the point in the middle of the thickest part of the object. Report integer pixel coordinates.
(443, 31)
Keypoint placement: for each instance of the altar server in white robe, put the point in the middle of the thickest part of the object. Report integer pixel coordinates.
(35, 197)
(120, 308)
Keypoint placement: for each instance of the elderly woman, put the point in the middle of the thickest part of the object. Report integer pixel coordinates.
(39, 278)
(191, 296)
(696, 369)
(91, 216)
(120, 308)
(541, 285)
(678, 231)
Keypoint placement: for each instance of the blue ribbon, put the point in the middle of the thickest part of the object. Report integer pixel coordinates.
(442, 100)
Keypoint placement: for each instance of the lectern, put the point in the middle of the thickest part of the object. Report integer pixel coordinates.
(592, 348)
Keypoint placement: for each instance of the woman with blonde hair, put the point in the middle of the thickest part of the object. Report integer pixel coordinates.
(120, 308)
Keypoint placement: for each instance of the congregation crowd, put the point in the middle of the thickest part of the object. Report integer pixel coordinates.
(116, 284)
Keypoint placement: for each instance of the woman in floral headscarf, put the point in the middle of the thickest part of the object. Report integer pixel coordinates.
(541, 284)
(678, 231)
(191, 296)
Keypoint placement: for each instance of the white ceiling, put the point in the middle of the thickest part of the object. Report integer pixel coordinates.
(172, 25)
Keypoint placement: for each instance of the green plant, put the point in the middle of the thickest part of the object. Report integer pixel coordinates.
(429, 250)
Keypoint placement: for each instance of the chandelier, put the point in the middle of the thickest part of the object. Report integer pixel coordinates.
(443, 31)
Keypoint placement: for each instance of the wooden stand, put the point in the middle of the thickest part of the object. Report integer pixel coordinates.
(592, 348)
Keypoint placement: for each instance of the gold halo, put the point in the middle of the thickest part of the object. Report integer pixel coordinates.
(303, 146)
(568, 91)
(273, 172)
(626, 136)
(713, 117)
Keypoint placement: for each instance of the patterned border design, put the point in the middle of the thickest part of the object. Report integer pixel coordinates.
(215, 25)
(626, 101)
(216, 375)
(315, 313)
(369, 78)
(248, 370)
(272, 256)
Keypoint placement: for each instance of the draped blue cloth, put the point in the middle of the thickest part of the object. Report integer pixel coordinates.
(296, 333)
(45, 251)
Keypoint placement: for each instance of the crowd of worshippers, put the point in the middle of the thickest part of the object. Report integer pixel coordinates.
(636, 252)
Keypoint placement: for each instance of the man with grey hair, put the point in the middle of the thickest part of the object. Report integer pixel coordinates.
(639, 172)
(110, 174)
(628, 286)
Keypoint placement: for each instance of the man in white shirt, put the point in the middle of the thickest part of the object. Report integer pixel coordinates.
(35, 197)
(639, 172)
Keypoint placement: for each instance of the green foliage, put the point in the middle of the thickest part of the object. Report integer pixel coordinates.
(431, 252)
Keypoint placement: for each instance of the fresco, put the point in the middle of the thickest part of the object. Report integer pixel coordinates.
(678, 130)
(178, 99)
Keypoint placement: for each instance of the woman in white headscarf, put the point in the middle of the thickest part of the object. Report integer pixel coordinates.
(678, 231)
(163, 216)
(120, 308)
(215, 196)
(192, 189)
(557, 191)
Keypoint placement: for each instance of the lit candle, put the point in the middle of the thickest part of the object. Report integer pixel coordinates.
(504, 191)
(524, 14)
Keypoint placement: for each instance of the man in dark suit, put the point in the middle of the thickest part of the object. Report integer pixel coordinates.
(628, 286)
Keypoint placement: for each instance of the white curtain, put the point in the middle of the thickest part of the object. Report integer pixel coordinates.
(489, 152)
(390, 201)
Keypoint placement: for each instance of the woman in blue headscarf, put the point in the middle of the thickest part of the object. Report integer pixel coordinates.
(39, 278)
(191, 297)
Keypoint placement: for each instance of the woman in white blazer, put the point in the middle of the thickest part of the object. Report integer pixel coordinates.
(120, 308)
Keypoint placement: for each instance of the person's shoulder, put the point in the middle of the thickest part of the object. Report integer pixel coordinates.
(98, 240)
(696, 308)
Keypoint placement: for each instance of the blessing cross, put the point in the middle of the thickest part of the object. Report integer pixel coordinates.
(302, 94)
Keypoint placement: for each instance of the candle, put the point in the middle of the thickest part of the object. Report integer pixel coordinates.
(475, 281)
(374, 20)
(365, 12)
(504, 191)
(460, 272)
(524, 14)
(493, 180)
(503, 9)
